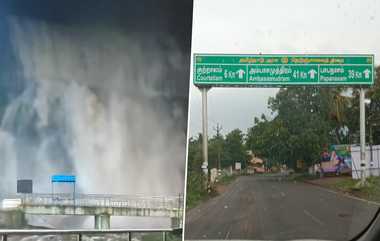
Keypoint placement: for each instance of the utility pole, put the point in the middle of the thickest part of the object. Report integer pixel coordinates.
(218, 137)
(363, 161)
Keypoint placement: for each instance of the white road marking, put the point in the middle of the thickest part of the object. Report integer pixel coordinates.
(313, 218)
(283, 194)
(228, 234)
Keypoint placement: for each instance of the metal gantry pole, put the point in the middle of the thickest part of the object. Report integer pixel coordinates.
(204, 135)
(370, 149)
(363, 162)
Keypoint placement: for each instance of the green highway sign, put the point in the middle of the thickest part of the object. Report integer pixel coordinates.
(282, 70)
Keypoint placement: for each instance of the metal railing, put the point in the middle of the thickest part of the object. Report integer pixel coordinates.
(79, 233)
(96, 200)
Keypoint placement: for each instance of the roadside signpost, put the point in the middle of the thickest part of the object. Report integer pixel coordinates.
(25, 186)
(273, 70)
(63, 179)
(282, 70)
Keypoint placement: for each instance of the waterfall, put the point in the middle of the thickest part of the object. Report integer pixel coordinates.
(93, 105)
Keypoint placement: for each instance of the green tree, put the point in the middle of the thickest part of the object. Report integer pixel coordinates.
(373, 110)
(235, 150)
(216, 150)
(195, 177)
(195, 154)
(303, 112)
(269, 140)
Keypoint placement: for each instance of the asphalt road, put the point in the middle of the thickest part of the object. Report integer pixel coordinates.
(265, 208)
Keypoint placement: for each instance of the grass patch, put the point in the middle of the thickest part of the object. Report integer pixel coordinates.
(369, 192)
(196, 193)
(300, 177)
(193, 199)
(226, 179)
(345, 185)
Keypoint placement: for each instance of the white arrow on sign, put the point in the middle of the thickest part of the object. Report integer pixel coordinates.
(240, 73)
(367, 72)
(312, 73)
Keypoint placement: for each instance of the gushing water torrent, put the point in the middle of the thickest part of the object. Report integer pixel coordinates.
(92, 107)
(98, 103)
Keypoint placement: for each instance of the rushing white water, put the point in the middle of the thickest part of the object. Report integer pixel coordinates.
(95, 104)
(7, 152)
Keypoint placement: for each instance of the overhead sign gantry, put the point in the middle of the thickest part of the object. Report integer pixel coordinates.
(282, 70)
(274, 70)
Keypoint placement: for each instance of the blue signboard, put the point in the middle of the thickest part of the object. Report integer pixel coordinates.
(63, 178)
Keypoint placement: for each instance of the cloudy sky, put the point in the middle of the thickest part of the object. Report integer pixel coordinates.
(274, 27)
